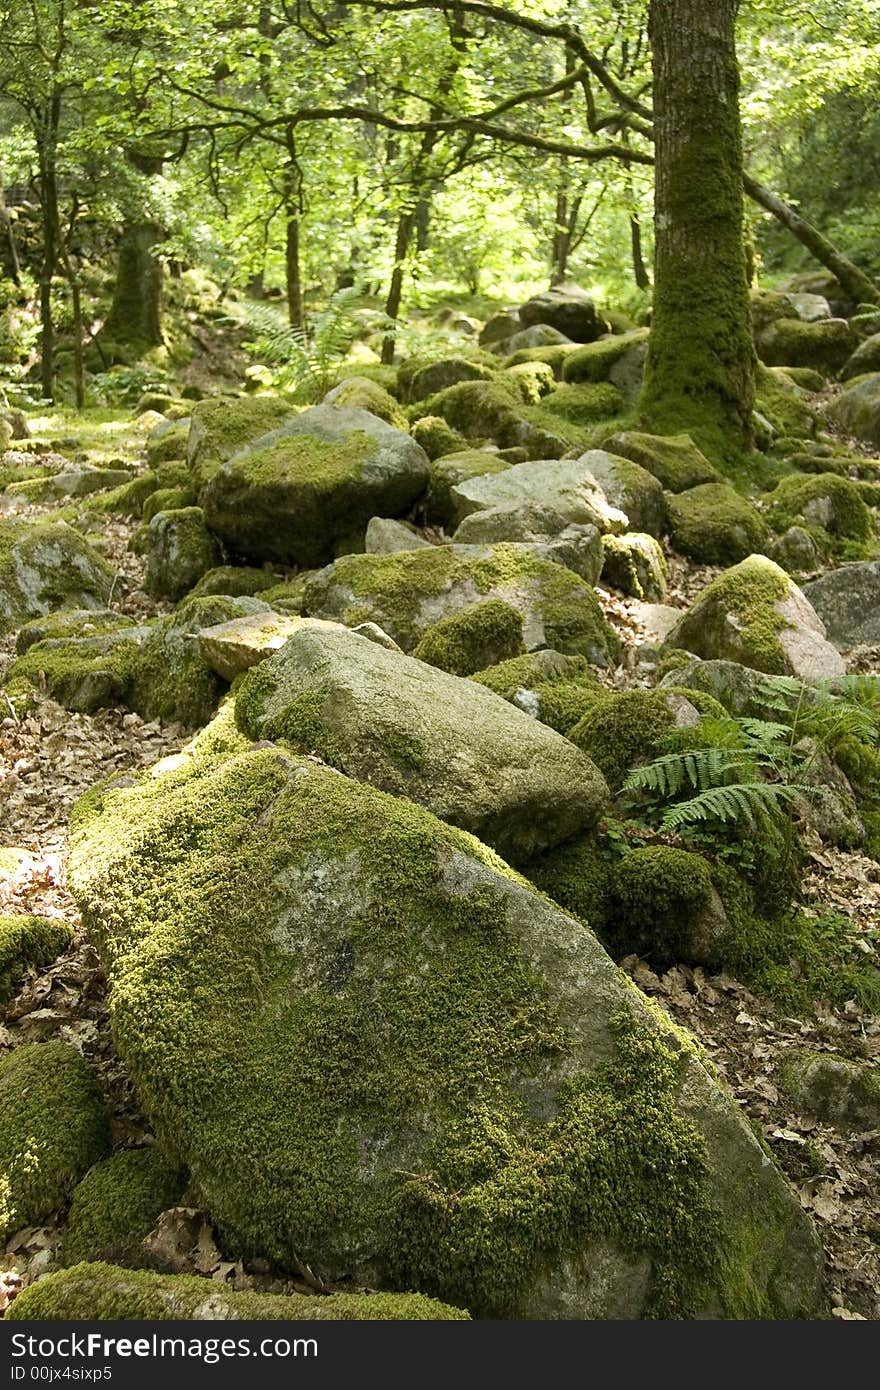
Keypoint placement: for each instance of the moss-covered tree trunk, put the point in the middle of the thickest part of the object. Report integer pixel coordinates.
(135, 316)
(700, 372)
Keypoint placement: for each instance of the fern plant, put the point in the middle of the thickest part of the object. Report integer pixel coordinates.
(305, 360)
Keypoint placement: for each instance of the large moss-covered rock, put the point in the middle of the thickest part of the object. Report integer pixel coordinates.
(85, 673)
(314, 481)
(865, 359)
(169, 440)
(664, 906)
(105, 1293)
(540, 527)
(825, 344)
(238, 581)
(117, 1204)
(28, 942)
(566, 485)
(621, 731)
(224, 425)
(418, 379)
(714, 525)
(674, 460)
(172, 679)
(547, 685)
(594, 361)
(782, 403)
(755, 614)
(408, 592)
(44, 566)
(53, 1126)
(739, 689)
(411, 729)
(180, 551)
(69, 483)
(822, 500)
(848, 602)
(448, 471)
(630, 488)
(436, 437)
(473, 639)
(360, 392)
(582, 403)
(857, 409)
(480, 410)
(382, 1054)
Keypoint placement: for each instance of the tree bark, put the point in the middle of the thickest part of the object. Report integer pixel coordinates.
(135, 316)
(640, 270)
(701, 361)
(293, 270)
(49, 217)
(853, 281)
(405, 225)
(10, 252)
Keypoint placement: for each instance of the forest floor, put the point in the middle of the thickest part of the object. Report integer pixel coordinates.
(50, 757)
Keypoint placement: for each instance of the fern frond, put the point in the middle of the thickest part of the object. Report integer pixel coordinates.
(700, 767)
(736, 801)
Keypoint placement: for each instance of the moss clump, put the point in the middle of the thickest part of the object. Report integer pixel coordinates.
(534, 379)
(361, 393)
(395, 591)
(674, 460)
(117, 1204)
(479, 410)
(223, 425)
(420, 378)
(47, 565)
(103, 1292)
(447, 472)
(783, 403)
(82, 674)
(551, 687)
(28, 942)
(170, 679)
(53, 1126)
(790, 342)
(714, 525)
(578, 876)
(552, 356)
(656, 894)
(476, 637)
(236, 581)
(583, 404)
(594, 361)
(166, 442)
(167, 499)
(748, 593)
(822, 500)
(288, 597)
(635, 564)
(128, 499)
(623, 730)
(437, 438)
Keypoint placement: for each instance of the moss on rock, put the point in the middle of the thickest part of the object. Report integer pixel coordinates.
(236, 581)
(167, 499)
(476, 637)
(713, 525)
(53, 1126)
(368, 395)
(102, 1292)
(820, 500)
(117, 1204)
(28, 942)
(674, 460)
(447, 472)
(584, 403)
(622, 730)
(594, 361)
(436, 437)
(44, 566)
(223, 425)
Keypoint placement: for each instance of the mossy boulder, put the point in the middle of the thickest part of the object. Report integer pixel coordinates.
(129, 498)
(547, 685)
(714, 525)
(838, 1091)
(848, 602)
(795, 551)
(534, 379)
(224, 425)
(169, 440)
(233, 647)
(857, 409)
(53, 1126)
(568, 486)
(782, 403)
(630, 488)
(865, 359)
(167, 499)
(664, 907)
(171, 679)
(28, 943)
(181, 550)
(568, 309)
(825, 344)
(621, 731)
(105, 1293)
(636, 565)
(448, 471)
(584, 402)
(238, 581)
(738, 689)
(68, 484)
(473, 639)
(117, 1204)
(83, 674)
(382, 1054)
(312, 483)
(674, 460)
(825, 501)
(360, 392)
(479, 410)
(540, 528)
(73, 622)
(418, 379)
(594, 361)
(755, 614)
(407, 593)
(396, 723)
(45, 566)
(436, 437)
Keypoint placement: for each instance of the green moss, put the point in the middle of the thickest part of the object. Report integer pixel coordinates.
(383, 374)
(117, 1204)
(306, 460)
(28, 942)
(556, 689)
(46, 565)
(783, 403)
(53, 1126)
(562, 704)
(807, 378)
(534, 379)
(675, 461)
(578, 876)
(448, 471)
(421, 377)
(749, 592)
(82, 674)
(166, 499)
(102, 1292)
(620, 731)
(126, 500)
(169, 442)
(792, 343)
(363, 394)
(235, 580)
(635, 564)
(593, 361)
(465, 642)
(552, 356)
(170, 680)
(584, 403)
(288, 597)
(822, 500)
(436, 437)
(655, 894)
(224, 425)
(479, 410)
(713, 525)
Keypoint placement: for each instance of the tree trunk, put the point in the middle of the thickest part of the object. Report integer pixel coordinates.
(293, 270)
(135, 316)
(853, 281)
(701, 361)
(640, 270)
(9, 251)
(49, 215)
(73, 280)
(405, 225)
